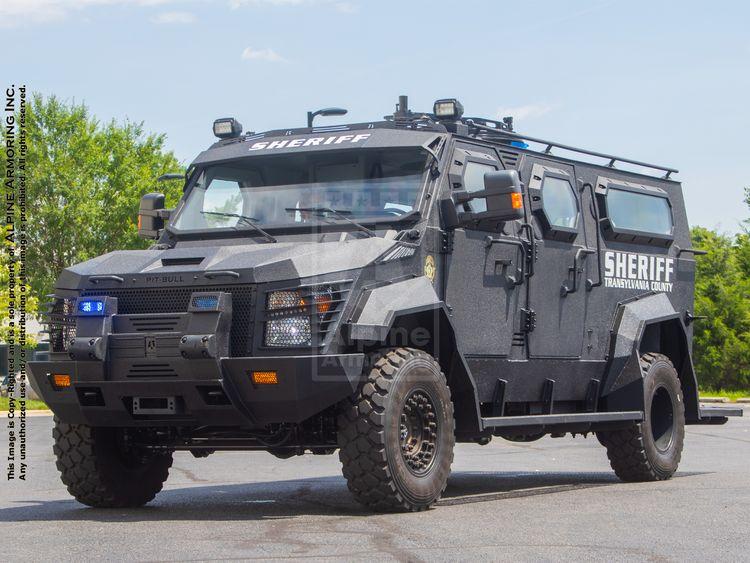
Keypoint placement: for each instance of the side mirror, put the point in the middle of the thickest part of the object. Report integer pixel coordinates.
(151, 216)
(502, 197)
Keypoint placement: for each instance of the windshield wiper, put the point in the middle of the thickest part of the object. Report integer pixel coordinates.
(338, 213)
(248, 221)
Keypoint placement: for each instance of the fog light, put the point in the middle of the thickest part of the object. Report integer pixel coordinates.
(264, 378)
(60, 381)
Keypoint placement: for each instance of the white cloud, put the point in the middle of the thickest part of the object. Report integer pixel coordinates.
(340, 5)
(268, 55)
(529, 111)
(173, 18)
(19, 12)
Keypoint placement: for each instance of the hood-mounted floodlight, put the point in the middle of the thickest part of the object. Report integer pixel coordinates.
(227, 128)
(311, 115)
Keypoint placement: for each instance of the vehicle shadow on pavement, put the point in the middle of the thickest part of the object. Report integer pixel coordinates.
(287, 499)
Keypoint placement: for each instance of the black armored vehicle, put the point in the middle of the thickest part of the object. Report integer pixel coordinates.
(383, 289)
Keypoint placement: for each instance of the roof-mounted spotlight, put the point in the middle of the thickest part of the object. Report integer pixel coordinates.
(449, 109)
(227, 128)
(311, 115)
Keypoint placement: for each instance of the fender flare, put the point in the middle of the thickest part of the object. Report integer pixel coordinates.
(622, 385)
(412, 304)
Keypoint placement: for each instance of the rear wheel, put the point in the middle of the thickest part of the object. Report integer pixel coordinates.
(396, 435)
(101, 471)
(651, 450)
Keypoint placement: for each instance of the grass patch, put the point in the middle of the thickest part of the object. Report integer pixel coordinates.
(31, 405)
(731, 395)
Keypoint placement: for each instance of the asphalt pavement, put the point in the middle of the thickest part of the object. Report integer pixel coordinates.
(555, 499)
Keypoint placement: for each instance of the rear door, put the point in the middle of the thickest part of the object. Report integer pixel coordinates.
(557, 290)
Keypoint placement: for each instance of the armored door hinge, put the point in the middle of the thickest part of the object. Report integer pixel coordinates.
(528, 320)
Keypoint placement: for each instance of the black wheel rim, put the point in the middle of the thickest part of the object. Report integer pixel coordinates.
(418, 432)
(662, 419)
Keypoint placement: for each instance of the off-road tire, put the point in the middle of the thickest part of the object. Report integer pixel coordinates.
(646, 451)
(99, 473)
(371, 432)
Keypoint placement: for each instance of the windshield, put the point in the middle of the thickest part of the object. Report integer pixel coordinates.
(286, 190)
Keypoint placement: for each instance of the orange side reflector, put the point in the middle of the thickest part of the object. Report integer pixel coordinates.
(139, 221)
(60, 380)
(516, 201)
(264, 378)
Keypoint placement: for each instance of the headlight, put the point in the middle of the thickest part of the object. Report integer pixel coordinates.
(292, 331)
(290, 314)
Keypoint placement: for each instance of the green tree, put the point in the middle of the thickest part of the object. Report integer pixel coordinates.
(721, 342)
(85, 180)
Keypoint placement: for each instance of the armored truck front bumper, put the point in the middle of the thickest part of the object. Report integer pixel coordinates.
(191, 392)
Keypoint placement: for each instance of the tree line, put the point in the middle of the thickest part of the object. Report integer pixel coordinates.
(85, 180)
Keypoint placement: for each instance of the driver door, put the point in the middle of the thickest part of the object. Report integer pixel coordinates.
(483, 282)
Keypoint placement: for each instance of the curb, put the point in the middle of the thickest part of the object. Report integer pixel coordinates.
(4, 414)
(744, 401)
(713, 400)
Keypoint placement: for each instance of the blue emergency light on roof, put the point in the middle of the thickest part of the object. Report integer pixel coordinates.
(91, 307)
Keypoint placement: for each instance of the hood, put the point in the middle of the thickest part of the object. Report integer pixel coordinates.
(256, 263)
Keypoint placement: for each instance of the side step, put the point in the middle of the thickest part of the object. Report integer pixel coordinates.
(717, 415)
(549, 420)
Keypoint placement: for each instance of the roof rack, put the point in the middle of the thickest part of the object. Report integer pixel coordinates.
(500, 130)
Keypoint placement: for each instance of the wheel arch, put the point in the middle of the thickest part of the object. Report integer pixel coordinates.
(647, 324)
(409, 313)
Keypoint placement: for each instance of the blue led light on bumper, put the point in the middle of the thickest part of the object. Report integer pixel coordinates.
(205, 301)
(91, 307)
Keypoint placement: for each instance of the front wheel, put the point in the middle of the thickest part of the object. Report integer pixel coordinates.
(100, 471)
(396, 434)
(651, 450)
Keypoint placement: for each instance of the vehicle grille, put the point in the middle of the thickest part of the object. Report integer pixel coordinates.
(61, 325)
(158, 300)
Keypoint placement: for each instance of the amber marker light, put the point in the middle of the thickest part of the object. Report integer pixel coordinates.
(323, 302)
(61, 381)
(264, 377)
(516, 201)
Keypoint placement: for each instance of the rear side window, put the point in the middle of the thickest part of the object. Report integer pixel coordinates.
(559, 203)
(634, 213)
(639, 212)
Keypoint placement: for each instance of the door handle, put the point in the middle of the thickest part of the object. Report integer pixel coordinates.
(580, 254)
(522, 273)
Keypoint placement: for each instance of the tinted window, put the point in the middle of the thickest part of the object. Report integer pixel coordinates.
(474, 182)
(639, 212)
(281, 190)
(559, 203)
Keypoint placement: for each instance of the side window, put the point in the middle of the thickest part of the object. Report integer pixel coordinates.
(639, 212)
(474, 182)
(554, 200)
(634, 213)
(559, 203)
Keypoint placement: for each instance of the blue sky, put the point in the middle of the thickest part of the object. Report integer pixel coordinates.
(660, 81)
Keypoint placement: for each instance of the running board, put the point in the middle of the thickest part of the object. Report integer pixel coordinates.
(545, 420)
(717, 415)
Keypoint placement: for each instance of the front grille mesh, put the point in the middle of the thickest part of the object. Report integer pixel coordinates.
(61, 325)
(176, 300)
